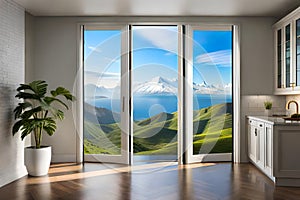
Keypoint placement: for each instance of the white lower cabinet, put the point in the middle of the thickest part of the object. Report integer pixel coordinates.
(274, 148)
(260, 144)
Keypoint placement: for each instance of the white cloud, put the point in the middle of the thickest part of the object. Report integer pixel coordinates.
(95, 49)
(170, 53)
(220, 58)
(162, 38)
(105, 79)
(101, 75)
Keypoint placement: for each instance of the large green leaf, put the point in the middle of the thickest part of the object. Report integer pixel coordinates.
(20, 108)
(60, 114)
(29, 113)
(46, 105)
(26, 95)
(64, 92)
(17, 126)
(49, 100)
(49, 126)
(57, 113)
(38, 87)
(29, 126)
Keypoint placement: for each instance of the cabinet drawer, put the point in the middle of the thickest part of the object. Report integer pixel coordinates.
(256, 123)
(252, 122)
(260, 124)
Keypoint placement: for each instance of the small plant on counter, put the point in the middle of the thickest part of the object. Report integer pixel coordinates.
(268, 105)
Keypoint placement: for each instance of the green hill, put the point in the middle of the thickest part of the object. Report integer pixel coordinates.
(158, 135)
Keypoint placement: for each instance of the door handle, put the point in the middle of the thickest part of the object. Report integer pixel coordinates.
(255, 132)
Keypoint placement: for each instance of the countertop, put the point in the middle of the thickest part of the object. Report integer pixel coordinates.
(276, 121)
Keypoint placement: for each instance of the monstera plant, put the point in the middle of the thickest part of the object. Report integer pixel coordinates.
(38, 114)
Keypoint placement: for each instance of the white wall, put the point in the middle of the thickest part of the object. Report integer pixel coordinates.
(12, 40)
(56, 54)
(29, 50)
(54, 59)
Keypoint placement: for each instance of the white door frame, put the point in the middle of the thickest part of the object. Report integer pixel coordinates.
(124, 157)
(188, 97)
(182, 110)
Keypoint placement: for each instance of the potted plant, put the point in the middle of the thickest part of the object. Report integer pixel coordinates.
(268, 106)
(38, 114)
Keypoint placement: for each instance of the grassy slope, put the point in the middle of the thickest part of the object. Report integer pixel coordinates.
(158, 135)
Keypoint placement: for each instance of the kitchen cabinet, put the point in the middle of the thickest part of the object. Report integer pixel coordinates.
(274, 148)
(287, 54)
(260, 145)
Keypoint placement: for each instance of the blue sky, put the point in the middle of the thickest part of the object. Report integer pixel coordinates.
(154, 54)
(212, 56)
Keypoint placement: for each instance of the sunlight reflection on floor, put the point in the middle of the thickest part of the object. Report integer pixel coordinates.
(107, 170)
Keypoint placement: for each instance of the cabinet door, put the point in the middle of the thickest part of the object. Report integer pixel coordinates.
(279, 58)
(268, 162)
(252, 140)
(260, 144)
(287, 56)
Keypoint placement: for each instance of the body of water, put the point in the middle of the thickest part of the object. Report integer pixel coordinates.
(149, 105)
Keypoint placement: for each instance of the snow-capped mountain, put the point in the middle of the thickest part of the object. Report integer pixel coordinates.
(204, 88)
(157, 85)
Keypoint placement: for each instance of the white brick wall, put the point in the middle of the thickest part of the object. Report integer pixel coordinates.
(12, 41)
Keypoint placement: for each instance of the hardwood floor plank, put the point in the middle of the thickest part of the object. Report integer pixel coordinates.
(149, 181)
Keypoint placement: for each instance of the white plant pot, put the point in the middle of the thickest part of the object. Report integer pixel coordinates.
(37, 161)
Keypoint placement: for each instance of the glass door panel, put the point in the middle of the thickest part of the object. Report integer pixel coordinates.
(288, 55)
(105, 128)
(279, 59)
(211, 62)
(154, 92)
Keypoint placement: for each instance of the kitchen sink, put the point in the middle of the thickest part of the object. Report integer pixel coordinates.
(293, 117)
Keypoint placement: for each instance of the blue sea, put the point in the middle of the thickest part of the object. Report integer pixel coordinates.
(149, 105)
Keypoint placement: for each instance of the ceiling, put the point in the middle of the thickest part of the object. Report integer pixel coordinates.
(270, 8)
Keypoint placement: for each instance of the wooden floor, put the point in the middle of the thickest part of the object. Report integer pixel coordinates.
(149, 181)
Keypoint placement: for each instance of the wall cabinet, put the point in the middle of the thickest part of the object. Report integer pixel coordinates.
(287, 54)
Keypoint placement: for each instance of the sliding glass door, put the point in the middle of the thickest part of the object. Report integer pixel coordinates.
(209, 93)
(153, 93)
(106, 94)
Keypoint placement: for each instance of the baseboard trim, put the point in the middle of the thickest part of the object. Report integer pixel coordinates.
(60, 158)
(11, 175)
(290, 182)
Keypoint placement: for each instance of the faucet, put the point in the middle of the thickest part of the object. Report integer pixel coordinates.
(292, 101)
